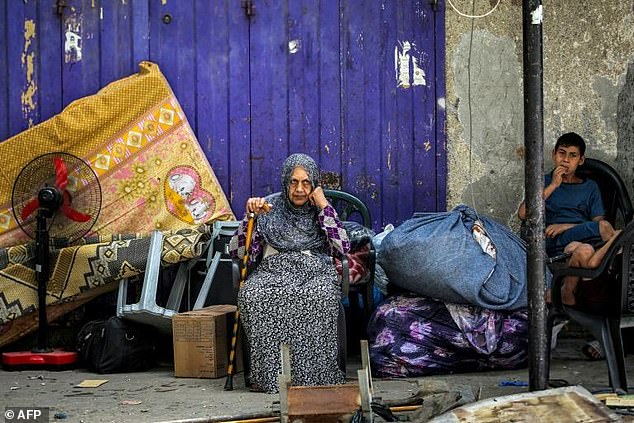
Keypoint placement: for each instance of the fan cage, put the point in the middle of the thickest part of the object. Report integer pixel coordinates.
(83, 187)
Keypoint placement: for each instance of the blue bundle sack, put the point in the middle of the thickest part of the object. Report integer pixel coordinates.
(436, 255)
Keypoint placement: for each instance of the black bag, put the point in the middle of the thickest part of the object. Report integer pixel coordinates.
(116, 345)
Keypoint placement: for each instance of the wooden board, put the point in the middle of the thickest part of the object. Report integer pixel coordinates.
(307, 402)
(561, 405)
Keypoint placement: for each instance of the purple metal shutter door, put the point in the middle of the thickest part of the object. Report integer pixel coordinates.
(355, 84)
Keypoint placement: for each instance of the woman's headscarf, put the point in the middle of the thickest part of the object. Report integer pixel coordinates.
(287, 227)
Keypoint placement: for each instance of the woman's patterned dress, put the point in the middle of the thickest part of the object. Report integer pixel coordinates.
(293, 298)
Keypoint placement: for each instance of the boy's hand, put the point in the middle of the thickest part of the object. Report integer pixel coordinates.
(317, 198)
(558, 176)
(557, 228)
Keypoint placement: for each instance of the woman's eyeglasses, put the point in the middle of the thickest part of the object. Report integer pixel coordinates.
(305, 183)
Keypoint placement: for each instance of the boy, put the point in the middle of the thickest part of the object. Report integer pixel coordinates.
(574, 209)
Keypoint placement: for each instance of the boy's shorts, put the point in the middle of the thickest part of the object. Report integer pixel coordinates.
(587, 232)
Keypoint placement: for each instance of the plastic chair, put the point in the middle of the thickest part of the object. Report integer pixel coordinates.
(348, 207)
(605, 325)
(616, 268)
(616, 200)
(146, 310)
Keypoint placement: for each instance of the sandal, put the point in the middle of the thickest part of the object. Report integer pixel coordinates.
(593, 350)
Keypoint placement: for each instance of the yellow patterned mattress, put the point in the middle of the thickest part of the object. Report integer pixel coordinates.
(153, 176)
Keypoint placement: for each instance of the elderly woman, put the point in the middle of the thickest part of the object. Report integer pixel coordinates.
(293, 295)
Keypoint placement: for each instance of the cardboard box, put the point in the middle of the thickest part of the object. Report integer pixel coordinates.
(202, 341)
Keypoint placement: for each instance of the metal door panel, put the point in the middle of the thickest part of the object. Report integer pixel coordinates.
(4, 78)
(22, 82)
(81, 39)
(117, 41)
(172, 47)
(363, 110)
(354, 84)
(222, 94)
(269, 96)
(329, 90)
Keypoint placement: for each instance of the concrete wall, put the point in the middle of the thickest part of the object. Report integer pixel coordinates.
(588, 49)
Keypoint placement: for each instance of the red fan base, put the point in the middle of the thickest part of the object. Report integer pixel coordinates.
(55, 358)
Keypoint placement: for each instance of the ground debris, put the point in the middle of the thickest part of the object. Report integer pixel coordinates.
(559, 405)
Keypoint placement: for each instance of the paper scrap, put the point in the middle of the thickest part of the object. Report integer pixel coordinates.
(91, 383)
(130, 402)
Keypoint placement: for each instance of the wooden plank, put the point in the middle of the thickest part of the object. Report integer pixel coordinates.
(365, 392)
(284, 382)
(353, 106)
(365, 361)
(312, 403)
(285, 359)
(376, 54)
(569, 404)
(619, 402)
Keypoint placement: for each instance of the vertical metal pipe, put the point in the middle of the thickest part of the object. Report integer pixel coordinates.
(41, 275)
(534, 186)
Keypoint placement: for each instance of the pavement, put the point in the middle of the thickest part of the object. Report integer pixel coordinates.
(157, 396)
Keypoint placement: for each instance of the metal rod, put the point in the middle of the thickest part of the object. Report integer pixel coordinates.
(242, 418)
(534, 186)
(41, 275)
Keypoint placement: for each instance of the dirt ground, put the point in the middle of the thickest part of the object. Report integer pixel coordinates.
(157, 396)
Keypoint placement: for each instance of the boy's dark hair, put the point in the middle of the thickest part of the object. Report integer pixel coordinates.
(571, 139)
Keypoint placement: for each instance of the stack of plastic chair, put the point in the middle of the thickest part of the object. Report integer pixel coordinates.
(146, 310)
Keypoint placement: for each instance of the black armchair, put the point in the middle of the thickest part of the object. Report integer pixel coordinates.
(604, 322)
(614, 274)
(616, 200)
(350, 207)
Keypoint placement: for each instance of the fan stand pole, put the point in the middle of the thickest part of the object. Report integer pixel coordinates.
(41, 276)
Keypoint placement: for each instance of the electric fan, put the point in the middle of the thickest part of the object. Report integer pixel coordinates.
(56, 200)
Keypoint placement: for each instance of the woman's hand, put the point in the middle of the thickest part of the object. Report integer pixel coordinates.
(258, 205)
(317, 198)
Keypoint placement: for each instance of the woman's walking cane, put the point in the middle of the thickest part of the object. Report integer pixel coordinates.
(243, 276)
